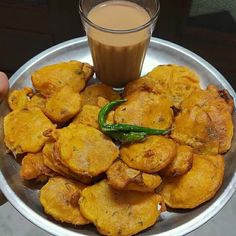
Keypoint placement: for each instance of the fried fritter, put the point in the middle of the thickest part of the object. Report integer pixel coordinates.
(50, 79)
(91, 93)
(205, 122)
(122, 177)
(63, 105)
(33, 167)
(173, 81)
(24, 130)
(18, 99)
(89, 116)
(181, 164)
(53, 163)
(197, 186)
(150, 156)
(211, 96)
(196, 129)
(102, 102)
(60, 197)
(37, 100)
(85, 150)
(145, 109)
(116, 212)
(25, 98)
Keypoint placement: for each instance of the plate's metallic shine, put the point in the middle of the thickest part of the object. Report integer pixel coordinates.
(24, 197)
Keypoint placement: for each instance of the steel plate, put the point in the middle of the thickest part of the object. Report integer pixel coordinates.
(24, 196)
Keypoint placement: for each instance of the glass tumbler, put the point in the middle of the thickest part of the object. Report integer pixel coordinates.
(118, 53)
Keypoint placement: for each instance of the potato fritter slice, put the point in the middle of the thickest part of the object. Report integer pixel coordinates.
(145, 109)
(60, 197)
(91, 94)
(205, 122)
(18, 99)
(85, 150)
(116, 212)
(181, 164)
(33, 167)
(197, 186)
(53, 163)
(37, 100)
(122, 177)
(25, 98)
(150, 156)
(89, 116)
(210, 97)
(174, 81)
(196, 129)
(63, 105)
(50, 79)
(24, 130)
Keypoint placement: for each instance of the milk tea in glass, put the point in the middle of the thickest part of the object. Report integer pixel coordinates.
(118, 33)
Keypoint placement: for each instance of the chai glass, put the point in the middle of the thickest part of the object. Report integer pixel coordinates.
(118, 33)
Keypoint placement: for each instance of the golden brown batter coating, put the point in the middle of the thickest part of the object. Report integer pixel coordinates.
(145, 109)
(122, 177)
(60, 197)
(91, 94)
(50, 79)
(50, 160)
(205, 122)
(89, 116)
(173, 81)
(116, 212)
(85, 150)
(197, 186)
(24, 130)
(33, 167)
(18, 99)
(37, 100)
(150, 156)
(63, 105)
(182, 162)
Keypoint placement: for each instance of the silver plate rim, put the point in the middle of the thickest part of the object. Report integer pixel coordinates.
(181, 230)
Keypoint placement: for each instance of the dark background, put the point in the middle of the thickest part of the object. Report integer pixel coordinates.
(28, 27)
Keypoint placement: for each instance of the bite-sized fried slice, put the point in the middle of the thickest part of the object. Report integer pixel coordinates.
(63, 105)
(181, 164)
(33, 167)
(24, 130)
(150, 156)
(196, 129)
(54, 164)
(116, 212)
(102, 102)
(120, 176)
(212, 96)
(205, 122)
(145, 109)
(91, 93)
(50, 79)
(217, 110)
(60, 197)
(85, 150)
(197, 186)
(174, 81)
(144, 83)
(37, 100)
(89, 116)
(18, 99)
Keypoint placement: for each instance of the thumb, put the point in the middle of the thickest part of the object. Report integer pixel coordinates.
(4, 85)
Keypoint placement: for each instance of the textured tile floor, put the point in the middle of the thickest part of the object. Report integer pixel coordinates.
(13, 224)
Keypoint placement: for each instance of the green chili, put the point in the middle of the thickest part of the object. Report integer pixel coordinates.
(127, 137)
(124, 132)
(133, 128)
